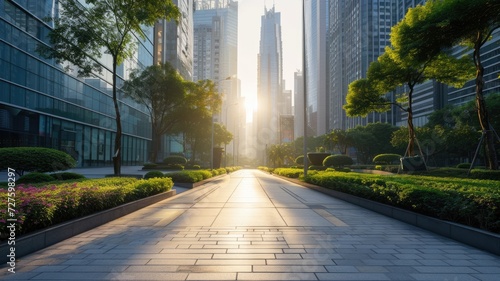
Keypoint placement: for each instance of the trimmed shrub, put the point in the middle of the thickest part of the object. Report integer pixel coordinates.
(148, 166)
(337, 160)
(175, 159)
(289, 172)
(299, 160)
(387, 158)
(172, 167)
(145, 188)
(464, 166)
(42, 206)
(317, 168)
(184, 177)
(485, 174)
(154, 174)
(67, 176)
(35, 159)
(35, 178)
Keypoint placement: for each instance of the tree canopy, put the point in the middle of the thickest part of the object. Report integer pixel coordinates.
(162, 90)
(448, 23)
(396, 68)
(83, 33)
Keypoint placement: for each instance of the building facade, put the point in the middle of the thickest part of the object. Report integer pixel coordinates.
(316, 53)
(269, 81)
(43, 105)
(174, 45)
(358, 33)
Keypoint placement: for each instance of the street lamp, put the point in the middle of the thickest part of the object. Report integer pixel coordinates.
(304, 75)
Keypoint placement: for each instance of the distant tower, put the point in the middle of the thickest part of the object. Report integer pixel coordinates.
(269, 82)
(174, 42)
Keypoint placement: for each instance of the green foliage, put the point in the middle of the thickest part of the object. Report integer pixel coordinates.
(337, 160)
(67, 176)
(45, 205)
(467, 201)
(148, 166)
(154, 174)
(35, 159)
(175, 159)
(148, 87)
(289, 172)
(317, 168)
(35, 178)
(299, 160)
(464, 166)
(387, 158)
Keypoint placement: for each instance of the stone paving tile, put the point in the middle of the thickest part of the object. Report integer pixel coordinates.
(245, 227)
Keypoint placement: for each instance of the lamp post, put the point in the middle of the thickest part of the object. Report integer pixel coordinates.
(304, 75)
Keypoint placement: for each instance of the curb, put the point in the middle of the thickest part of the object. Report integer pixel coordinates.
(46, 237)
(481, 239)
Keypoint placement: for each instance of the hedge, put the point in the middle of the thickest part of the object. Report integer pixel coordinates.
(39, 207)
(35, 159)
(472, 202)
(466, 201)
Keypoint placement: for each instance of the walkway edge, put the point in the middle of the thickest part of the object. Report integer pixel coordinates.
(46, 237)
(484, 240)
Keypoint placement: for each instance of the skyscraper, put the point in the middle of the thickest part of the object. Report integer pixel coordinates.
(316, 19)
(269, 81)
(174, 42)
(358, 34)
(43, 105)
(216, 58)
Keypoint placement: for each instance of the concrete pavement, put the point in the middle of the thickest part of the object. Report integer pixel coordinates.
(253, 226)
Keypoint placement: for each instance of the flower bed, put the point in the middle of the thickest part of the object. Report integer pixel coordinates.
(42, 206)
(467, 201)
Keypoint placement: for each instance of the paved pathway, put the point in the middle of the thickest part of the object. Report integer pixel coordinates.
(252, 226)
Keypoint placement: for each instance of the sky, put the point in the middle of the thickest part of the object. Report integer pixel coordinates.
(249, 17)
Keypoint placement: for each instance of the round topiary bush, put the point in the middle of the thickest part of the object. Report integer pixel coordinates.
(35, 178)
(153, 174)
(299, 160)
(464, 165)
(337, 160)
(387, 158)
(66, 176)
(175, 159)
(35, 159)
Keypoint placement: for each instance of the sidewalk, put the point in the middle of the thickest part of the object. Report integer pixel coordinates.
(253, 226)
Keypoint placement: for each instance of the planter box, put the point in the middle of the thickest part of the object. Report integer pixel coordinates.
(413, 163)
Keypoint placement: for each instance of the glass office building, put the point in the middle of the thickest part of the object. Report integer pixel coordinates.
(43, 105)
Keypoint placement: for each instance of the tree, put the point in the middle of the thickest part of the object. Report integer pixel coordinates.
(82, 34)
(458, 22)
(162, 90)
(396, 68)
(339, 139)
(201, 103)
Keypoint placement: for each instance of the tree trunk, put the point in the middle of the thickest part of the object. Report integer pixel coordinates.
(117, 159)
(411, 129)
(482, 111)
(155, 144)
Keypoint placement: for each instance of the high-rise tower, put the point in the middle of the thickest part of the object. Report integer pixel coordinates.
(269, 82)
